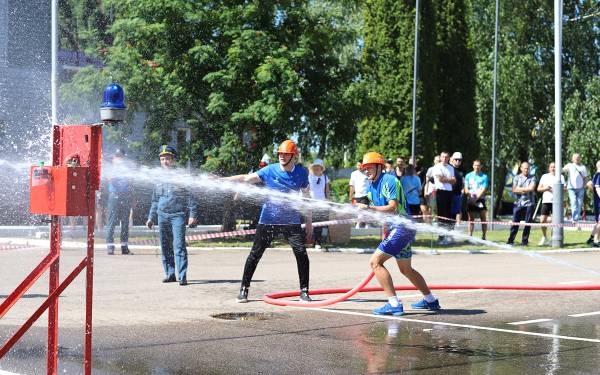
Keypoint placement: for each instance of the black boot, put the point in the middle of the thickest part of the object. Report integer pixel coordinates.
(125, 250)
(243, 296)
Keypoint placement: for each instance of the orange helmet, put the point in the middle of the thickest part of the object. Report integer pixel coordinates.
(287, 147)
(373, 158)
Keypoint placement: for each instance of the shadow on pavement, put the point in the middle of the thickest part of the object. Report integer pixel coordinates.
(220, 281)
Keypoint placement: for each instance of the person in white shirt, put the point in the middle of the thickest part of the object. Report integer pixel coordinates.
(319, 189)
(443, 177)
(359, 184)
(577, 175)
(428, 204)
(545, 187)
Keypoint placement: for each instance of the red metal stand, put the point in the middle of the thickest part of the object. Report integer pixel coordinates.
(67, 188)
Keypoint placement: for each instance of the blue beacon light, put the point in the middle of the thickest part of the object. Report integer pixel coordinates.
(113, 103)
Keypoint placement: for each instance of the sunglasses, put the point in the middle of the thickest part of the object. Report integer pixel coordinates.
(318, 180)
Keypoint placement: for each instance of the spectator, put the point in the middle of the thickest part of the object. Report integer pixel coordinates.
(411, 185)
(443, 176)
(400, 166)
(545, 187)
(524, 188)
(577, 174)
(170, 206)
(119, 208)
(389, 167)
(476, 184)
(359, 183)
(319, 189)
(428, 202)
(266, 160)
(594, 239)
(458, 187)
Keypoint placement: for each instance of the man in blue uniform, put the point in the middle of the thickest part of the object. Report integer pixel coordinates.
(171, 204)
(119, 208)
(278, 217)
(386, 196)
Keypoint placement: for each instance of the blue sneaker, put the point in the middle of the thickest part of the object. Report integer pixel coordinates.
(387, 309)
(424, 305)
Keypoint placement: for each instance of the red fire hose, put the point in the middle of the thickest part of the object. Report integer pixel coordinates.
(275, 298)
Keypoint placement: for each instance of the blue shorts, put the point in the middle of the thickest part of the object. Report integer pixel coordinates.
(456, 204)
(397, 243)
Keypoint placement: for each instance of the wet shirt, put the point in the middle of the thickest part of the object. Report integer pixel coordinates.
(524, 199)
(172, 199)
(276, 211)
(387, 188)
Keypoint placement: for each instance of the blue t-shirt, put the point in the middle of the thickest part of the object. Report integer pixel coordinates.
(411, 186)
(274, 177)
(387, 188)
(475, 182)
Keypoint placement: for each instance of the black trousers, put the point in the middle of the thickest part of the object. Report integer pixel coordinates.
(443, 200)
(265, 234)
(521, 213)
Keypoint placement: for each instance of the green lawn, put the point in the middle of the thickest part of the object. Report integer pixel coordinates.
(573, 240)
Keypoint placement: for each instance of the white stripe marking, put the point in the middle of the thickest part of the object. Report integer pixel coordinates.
(467, 291)
(529, 322)
(585, 314)
(575, 282)
(2, 372)
(547, 335)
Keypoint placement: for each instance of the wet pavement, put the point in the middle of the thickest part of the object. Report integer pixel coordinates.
(145, 327)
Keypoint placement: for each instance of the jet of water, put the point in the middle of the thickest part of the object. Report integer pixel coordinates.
(207, 182)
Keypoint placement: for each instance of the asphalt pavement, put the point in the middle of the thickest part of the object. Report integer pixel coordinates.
(142, 326)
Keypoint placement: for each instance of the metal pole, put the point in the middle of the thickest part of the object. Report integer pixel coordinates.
(493, 161)
(53, 74)
(54, 278)
(557, 189)
(415, 75)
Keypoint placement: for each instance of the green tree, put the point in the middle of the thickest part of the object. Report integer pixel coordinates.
(257, 70)
(388, 61)
(457, 128)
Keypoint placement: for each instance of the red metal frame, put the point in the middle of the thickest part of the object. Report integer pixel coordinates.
(63, 144)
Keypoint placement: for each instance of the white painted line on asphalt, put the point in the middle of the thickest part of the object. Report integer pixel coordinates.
(529, 322)
(575, 282)
(2, 372)
(427, 329)
(467, 291)
(585, 314)
(481, 328)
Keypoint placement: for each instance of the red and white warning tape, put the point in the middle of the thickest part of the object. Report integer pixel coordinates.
(206, 236)
(510, 223)
(13, 246)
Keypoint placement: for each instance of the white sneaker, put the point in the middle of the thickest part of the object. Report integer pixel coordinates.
(543, 241)
(317, 247)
